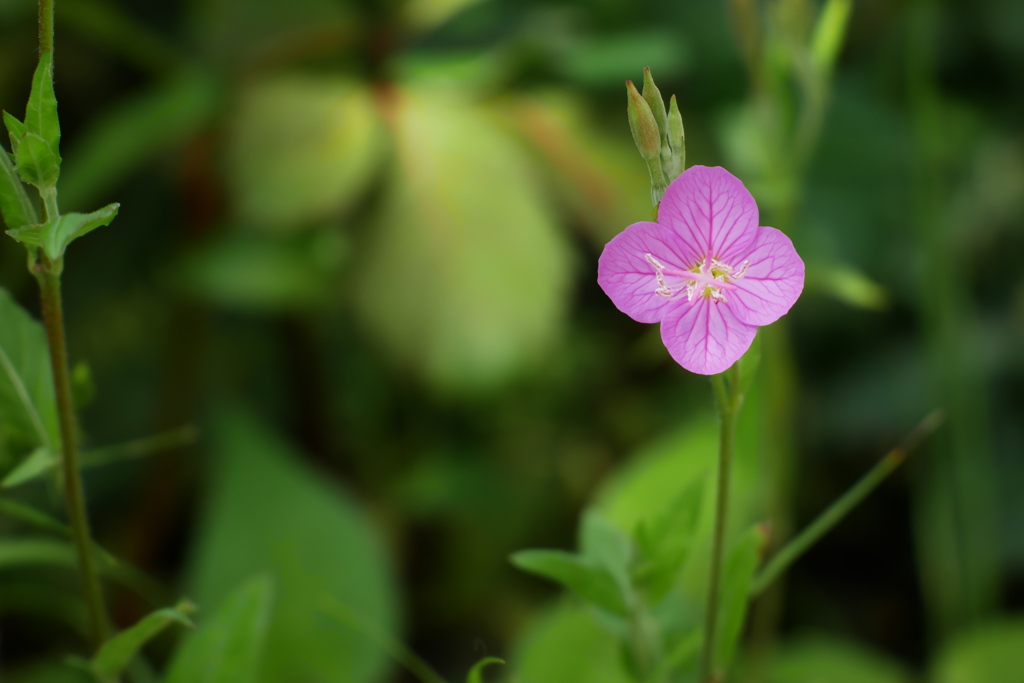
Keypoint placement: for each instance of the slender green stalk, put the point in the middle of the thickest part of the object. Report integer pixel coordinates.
(48, 275)
(729, 400)
(841, 507)
(45, 25)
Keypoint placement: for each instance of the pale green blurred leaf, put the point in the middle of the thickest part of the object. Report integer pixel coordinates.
(736, 577)
(819, 659)
(132, 131)
(849, 285)
(267, 512)
(476, 674)
(27, 405)
(39, 462)
(569, 644)
(229, 647)
(302, 148)
(589, 581)
(465, 278)
(423, 15)
(116, 653)
(609, 548)
(990, 652)
(666, 540)
(611, 59)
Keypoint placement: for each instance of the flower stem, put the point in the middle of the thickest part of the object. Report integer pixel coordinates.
(729, 400)
(48, 274)
(45, 25)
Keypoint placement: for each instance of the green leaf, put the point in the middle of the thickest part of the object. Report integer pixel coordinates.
(476, 674)
(313, 540)
(232, 644)
(829, 35)
(569, 643)
(15, 129)
(36, 162)
(17, 209)
(592, 583)
(41, 112)
(463, 225)
(134, 131)
(117, 653)
(302, 149)
(990, 652)
(736, 577)
(27, 404)
(39, 462)
(41, 520)
(665, 541)
(55, 236)
(605, 546)
(813, 659)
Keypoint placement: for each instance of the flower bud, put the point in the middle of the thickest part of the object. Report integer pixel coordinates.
(676, 137)
(642, 124)
(653, 98)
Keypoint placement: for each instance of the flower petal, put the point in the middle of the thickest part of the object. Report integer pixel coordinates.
(711, 210)
(629, 279)
(772, 283)
(707, 337)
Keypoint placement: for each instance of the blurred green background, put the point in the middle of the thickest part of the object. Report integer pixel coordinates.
(357, 250)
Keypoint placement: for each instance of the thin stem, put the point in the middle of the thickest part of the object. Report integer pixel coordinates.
(841, 507)
(729, 400)
(48, 275)
(45, 26)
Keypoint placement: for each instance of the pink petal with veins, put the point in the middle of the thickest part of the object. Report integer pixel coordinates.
(773, 280)
(629, 279)
(707, 337)
(711, 211)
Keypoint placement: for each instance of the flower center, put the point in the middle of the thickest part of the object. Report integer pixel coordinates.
(706, 279)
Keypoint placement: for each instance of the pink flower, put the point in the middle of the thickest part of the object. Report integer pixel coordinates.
(706, 271)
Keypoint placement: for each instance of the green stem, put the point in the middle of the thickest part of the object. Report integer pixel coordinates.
(45, 26)
(729, 401)
(48, 275)
(841, 507)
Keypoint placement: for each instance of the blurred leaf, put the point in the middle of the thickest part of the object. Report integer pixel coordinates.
(39, 462)
(259, 272)
(55, 236)
(829, 34)
(609, 59)
(27, 404)
(569, 644)
(302, 148)
(423, 15)
(607, 547)
(230, 646)
(666, 540)
(588, 581)
(17, 209)
(266, 512)
(116, 653)
(476, 674)
(749, 363)
(35, 552)
(466, 276)
(133, 131)
(41, 520)
(848, 285)
(990, 652)
(48, 673)
(816, 659)
(600, 177)
(735, 598)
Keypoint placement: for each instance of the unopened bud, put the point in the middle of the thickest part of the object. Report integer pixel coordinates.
(642, 124)
(653, 98)
(676, 136)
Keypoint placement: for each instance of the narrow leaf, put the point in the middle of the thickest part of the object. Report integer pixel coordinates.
(39, 462)
(16, 207)
(15, 129)
(27, 405)
(829, 33)
(476, 674)
(228, 647)
(590, 583)
(116, 653)
(41, 520)
(41, 112)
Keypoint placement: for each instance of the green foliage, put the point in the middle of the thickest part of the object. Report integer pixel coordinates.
(990, 652)
(465, 227)
(36, 464)
(665, 541)
(302, 149)
(15, 206)
(736, 577)
(36, 163)
(232, 644)
(817, 659)
(36, 141)
(27, 404)
(115, 654)
(476, 674)
(56, 234)
(266, 512)
(581, 575)
(570, 644)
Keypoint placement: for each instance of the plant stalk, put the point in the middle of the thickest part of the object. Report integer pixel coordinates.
(729, 400)
(48, 275)
(45, 25)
